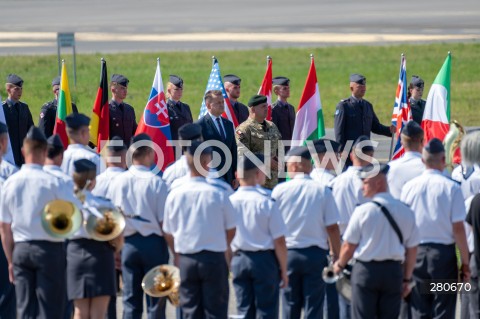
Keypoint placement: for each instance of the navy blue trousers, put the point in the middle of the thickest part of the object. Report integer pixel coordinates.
(7, 290)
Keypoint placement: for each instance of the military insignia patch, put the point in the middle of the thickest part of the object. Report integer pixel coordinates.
(42, 115)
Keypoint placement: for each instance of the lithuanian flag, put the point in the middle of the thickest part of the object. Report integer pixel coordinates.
(100, 122)
(64, 107)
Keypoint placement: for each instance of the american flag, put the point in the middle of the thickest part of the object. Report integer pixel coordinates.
(401, 110)
(215, 83)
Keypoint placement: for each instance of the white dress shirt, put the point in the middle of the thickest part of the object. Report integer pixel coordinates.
(403, 170)
(57, 171)
(175, 171)
(321, 175)
(104, 180)
(78, 151)
(7, 169)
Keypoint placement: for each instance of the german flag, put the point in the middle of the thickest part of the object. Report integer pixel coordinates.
(100, 122)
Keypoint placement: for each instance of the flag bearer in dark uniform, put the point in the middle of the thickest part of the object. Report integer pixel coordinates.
(440, 212)
(17, 116)
(122, 115)
(415, 92)
(355, 116)
(36, 261)
(311, 216)
(178, 111)
(259, 263)
(48, 112)
(90, 263)
(283, 113)
(232, 87)
(140, 193)
(384, 248)
(199, 227)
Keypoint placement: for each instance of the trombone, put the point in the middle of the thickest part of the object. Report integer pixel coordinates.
(163, 281)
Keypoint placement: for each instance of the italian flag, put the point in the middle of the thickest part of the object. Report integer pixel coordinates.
(64, 107)
(309, 123)
(436, 118)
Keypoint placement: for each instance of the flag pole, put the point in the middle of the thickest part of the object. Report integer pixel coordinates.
(213, 60)
(393, 135)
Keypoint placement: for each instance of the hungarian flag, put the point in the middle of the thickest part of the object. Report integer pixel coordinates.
(100, 122)
(436, 117)
(9, 155)
(266, 87)
(309, 123)
(64, 107)
(156, 123)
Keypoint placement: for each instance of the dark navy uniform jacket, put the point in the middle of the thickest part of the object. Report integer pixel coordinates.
(241, 112)
(179, 114)
(354, 118)
(48, 114)
(122, 121)
(283, 115)
(19, 120)
(418, 107)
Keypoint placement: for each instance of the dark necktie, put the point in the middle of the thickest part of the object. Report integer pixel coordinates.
(222, 133)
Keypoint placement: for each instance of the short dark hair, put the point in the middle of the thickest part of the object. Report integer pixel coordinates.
(211, 94)
(54, 151)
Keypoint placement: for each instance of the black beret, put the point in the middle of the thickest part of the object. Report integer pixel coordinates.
(232, 78)
(190, 131)
(321, 146)
(366, 145)
(141, 137)
(118, 144)
(56, 81)
(120, 79)
(176, 80)
(301, 151)
(434, 146)
(15, 80)
(412, 129)
(257, 100)
(417, 81)
(55, 141)
(84, 165)
(3, 128)
(36, 134)
(247, 164)
(373, 170)
(77, 120)
(281, 80)
(196, 144)
(358, 78)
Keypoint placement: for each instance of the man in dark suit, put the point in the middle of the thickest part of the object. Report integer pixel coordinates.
(217, 128)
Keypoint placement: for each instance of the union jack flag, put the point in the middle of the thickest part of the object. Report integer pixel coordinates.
(401, 109)
(215, 83)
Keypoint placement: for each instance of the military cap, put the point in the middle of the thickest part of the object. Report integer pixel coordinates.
(190, 131)
(141, 137)
(195, 145)
(366, 145)
(358, 78)
(232, 78)
(257, 100)
(120, 79)
(281, 80)
(301, 151)
(55, 141)
(247, 164)
(321, 146)
(118, 144)
(434, 146)
(3, 128)
(373, 170)
(84, 165)
(77, 120)
(412, 129)
(176, 80)
(56, 80)
(417, 81)
(36, 134)
(15, 80)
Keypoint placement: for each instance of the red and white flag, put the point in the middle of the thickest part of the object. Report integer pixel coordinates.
(266, 87)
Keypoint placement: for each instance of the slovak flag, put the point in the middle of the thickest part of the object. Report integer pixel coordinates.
(266, 87)
(401, 110)
(155, 121)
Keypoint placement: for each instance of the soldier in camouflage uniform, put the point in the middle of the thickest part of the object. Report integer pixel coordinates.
(252, 133)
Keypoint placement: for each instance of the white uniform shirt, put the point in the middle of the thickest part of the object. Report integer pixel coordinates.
(372, 232)
(259, 221)
(214, 181)
(437, 202)
(347, 191)
(175, 171)
(322, 176)
(138, 191)
(307, 209)
(103, 181)
(57, 171)
(7, 169)
(197, 215)
(471, 185)
(75, 152)
(403, 170)
(24, 195)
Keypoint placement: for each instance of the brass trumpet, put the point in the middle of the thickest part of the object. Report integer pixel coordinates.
(107, 227)
(163, 281)
(60, 219)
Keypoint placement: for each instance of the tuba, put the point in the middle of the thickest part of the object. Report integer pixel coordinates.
(105, 223)
(452, 142)
(60, 219)
(163, 281)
